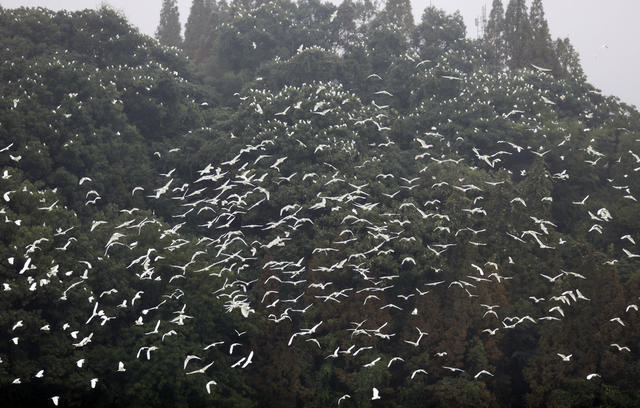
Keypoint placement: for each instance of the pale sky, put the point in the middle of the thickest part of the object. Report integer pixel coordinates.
(605, 33)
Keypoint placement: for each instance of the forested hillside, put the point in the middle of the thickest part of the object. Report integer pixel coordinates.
(299, 204)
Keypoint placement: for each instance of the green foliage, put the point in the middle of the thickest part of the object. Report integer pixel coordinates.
(296, 126)
(494, 34)
(196, 27)
(518, 32)
(169, 29)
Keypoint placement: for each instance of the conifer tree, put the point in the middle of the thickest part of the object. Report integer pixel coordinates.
(568, 59)
(541, 45)
(195, 28)
(517, 33)
(168, 32)
(494, 34)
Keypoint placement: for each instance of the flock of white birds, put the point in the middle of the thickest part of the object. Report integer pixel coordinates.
(364, 229)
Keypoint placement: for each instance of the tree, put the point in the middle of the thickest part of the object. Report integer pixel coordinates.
(389, 33)
(365, 11)
(438, 31)
(345, 20)
(195, 28)
(517, 33)
(398, 12)
(168, 32)
(495, 25)
(494, 34)
(541, 46)
(568, 59)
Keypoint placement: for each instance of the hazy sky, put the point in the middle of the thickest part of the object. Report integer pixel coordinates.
(605, 33)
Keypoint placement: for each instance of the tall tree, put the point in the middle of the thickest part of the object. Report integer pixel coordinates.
(168, 32)
(568, 59)
(541, 45)
(494, 34)
(517, 33)
(195, 28)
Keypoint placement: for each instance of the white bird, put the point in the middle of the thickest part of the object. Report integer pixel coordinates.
(420, 370)
(93, 382)
(6, 195)
(237, 363)
(315, 341)
(154, 331)
(408, 259)
(167, 175)
(482, 372)
(629, 238)
(121, 367)
(344, 397)
(592, 376)
(557, 309)
(376, 394)
(629, 254)
(334, 354)
(565, 357)
(547, 100)
(209, 384)
(393, 360)
(371, 364)
(278, 163)
(214, 344)
(248, 360)
(189, 358)
(284, 112)
(479, 269)
(55, 399)
(49, 208)
(80, 362)
(423, 144)
(169, 333)
(232, 347)
(620, 348)
(541, 69)
(201, 370)
(580, 202)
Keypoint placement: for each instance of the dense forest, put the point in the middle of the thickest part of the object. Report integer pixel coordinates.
(303, 204)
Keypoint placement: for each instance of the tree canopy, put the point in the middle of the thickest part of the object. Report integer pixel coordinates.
(303, 206)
